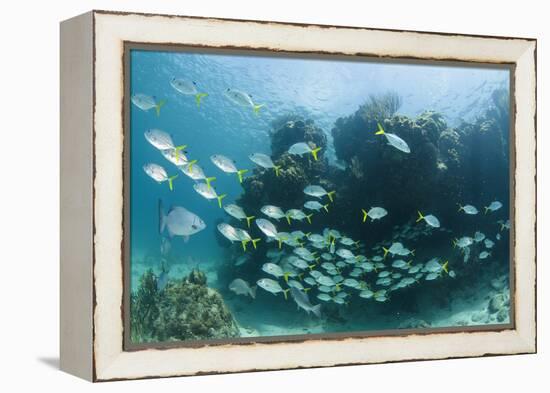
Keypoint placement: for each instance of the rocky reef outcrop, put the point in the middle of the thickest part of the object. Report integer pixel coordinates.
(446, 165)
(184, 309)
(464, 163)
(286, 190)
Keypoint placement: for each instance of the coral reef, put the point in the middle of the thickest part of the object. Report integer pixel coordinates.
(286, 190)
(295, 130)
(380, 107)
(185, 309)
(144, 309)
(445, 164)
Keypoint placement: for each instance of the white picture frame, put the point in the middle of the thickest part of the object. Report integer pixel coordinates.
(92, 195)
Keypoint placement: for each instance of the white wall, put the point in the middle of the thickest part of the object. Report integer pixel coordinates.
(29, 194)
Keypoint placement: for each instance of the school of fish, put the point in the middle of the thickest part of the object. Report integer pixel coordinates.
(324, 267)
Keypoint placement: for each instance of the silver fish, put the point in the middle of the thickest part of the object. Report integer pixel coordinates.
(297, 214)
(242, 99)
(300, 263)
(316, 238)
(318, 192)
(366, 294)
(238, 213)
(180, 222)
(271, 286)
(302, 148)
(264, 161)
(375, 213)
(241, 287)
(208, 192)
(175, 157)
(266, 227)
(352, 283)
(314, 205)
(343, 253)
(273, 212)
(484, 254)
(229, 232)
(494, 206)
(195, 172)
(186, 87)
(295, 284)
(394, 140)
(324, 297)
(227, 165)
(245, 238)
(479, 236)
(158, 173)
(326, 281)
(463, 242)
(272, 269)
(400, 264)
(430, 219)
(468, 209)
(160, 139)
(434, 266)
(302, 301)
(145, 102)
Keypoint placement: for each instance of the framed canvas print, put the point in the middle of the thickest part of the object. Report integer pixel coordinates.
(245, 195)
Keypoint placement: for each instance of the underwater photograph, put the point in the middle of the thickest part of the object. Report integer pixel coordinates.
(290, 195)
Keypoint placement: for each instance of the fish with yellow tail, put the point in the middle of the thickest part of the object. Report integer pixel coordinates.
(318, 192)
(195, 172)
(264, 161)
(430, 219)
(375, 213)
(298, 215)
(145, 102)
(468, 209)
(395, 249)
(208, 192)
(163, 142)
(238, 213)
(301, 148)
(272, 286)
(245, 238)
(273, 269)
(227, 165)
(314, 205)
(435, 269)
(186, 87)
(393, 140)
(158, 173)
(242, 99)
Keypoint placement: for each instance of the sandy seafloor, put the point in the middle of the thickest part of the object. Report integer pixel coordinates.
(263, 316)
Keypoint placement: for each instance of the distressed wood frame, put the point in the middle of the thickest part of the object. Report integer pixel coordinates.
(92, 195)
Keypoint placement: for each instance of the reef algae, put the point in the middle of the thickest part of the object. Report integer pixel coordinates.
(186, 309)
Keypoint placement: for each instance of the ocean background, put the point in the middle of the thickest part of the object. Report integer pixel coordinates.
(322, 89)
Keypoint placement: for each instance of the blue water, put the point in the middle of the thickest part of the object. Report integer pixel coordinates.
(320, 89)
